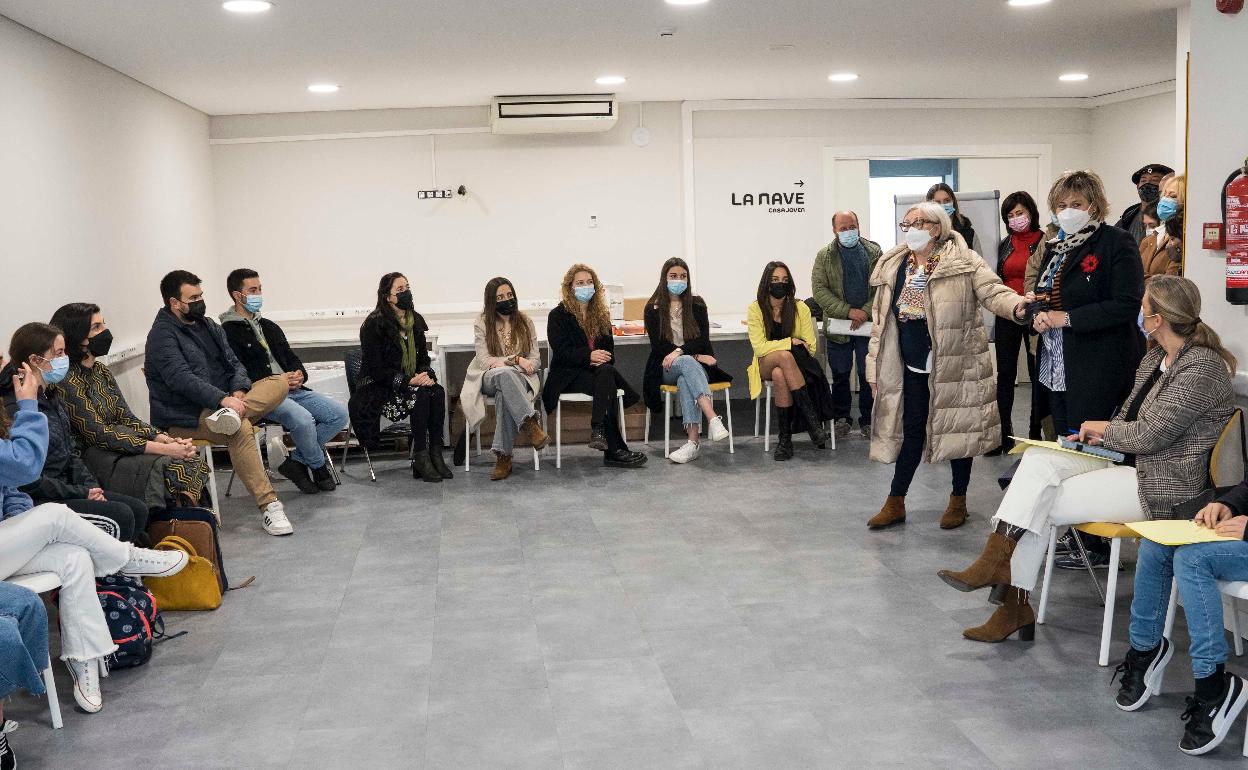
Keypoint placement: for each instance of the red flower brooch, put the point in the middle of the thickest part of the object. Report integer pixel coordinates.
(1089, 263)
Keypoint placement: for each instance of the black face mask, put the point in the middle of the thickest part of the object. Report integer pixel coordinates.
(506, 306)
(1149, 193)
(100, 344)
(780, 289)
(405, 301)
(196, 310)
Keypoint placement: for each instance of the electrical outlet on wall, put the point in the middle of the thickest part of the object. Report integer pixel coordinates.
(593, 221)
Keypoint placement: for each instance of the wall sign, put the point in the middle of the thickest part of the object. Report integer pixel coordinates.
(793, 202)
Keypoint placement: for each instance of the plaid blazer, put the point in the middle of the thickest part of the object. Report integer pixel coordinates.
(1178, 425)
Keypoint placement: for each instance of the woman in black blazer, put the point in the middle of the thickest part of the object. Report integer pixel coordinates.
(943, 194)
(1093, 281)
(578, 331)
(397, 380)
(681, 355)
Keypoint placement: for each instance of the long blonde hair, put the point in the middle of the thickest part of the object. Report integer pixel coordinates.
(1177, 300)
(595, 319)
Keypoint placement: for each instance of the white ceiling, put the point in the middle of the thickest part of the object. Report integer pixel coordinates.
(414, 53)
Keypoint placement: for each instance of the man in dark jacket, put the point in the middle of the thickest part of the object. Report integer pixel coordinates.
(311, 418)
(1146, 182)
(197, 389)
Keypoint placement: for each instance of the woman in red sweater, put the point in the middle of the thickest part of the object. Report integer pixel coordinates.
(1020, 250)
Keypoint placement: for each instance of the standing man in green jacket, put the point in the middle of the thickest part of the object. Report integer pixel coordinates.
(840, 280)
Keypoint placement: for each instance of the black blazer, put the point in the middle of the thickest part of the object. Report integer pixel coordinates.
(569, 356)
(1102, 285)
(252, 355)
(660, 348)
(381, 359)
(962, 226)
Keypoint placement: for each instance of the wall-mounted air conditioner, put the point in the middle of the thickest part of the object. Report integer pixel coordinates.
(553, 114)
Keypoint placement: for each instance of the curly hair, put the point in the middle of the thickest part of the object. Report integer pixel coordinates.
(595, 319)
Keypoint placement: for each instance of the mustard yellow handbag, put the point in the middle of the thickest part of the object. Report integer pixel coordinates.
(196, 587)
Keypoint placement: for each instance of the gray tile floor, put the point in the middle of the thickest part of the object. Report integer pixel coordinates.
(734, 613)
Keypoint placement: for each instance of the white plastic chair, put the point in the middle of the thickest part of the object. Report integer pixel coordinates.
(668, 391)
(42, 582)
(579, 398)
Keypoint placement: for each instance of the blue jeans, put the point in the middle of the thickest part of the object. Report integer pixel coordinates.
(1197, 569)
(690, 380)
(841, 359)
(23, 640)
(311, 419)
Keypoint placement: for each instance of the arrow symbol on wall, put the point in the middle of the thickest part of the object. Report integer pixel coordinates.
(800, 183)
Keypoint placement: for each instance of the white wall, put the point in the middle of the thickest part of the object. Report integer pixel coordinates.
(1217, 146)
(323, 220)
(106, 187)
(1128, 135)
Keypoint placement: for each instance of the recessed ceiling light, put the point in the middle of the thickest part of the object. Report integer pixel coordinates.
(687, 2)
(843, 77)
(323, 88)
(1023, 3)
(610, 80)
(247, 6)
(1073, 77)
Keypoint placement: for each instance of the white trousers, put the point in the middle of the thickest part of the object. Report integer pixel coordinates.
(1052, 488)
(52, 538)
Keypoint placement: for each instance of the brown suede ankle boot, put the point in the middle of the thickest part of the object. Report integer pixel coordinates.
(531, 430)
(502, 468)
(893, 512)
(991, 568)
(955, 515)
(1014, 615)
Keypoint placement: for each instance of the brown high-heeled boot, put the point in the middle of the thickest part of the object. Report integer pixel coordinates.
(991, 568)
(893, 512)
(1014, 615)
(955, 514)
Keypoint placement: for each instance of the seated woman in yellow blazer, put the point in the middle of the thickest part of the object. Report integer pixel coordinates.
(783, 337)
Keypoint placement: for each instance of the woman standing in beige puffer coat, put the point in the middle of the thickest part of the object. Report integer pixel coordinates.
(929, 363)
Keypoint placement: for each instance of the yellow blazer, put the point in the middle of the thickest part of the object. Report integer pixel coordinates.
(804, 329)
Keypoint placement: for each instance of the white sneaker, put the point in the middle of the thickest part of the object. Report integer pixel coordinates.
(224, 421)
(275, 521)
(86, 676)
(147, 562)
(717, 430)
(686, 453)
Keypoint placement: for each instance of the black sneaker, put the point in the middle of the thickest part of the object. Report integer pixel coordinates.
(623, 458)
(842, 427)
(1097, 559)
(1141, 675)
(298, 473)
(864, 429)
(7, 759)
(324, 479)
(1208, 723)
(598, 440)
(1066, 544)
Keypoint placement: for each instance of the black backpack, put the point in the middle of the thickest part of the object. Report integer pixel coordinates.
(133, 620)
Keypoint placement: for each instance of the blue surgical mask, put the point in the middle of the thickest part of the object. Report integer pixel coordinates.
(253, 303)
(949, 208)
(1166, 208)
(676, 288)
(1140, 322)
(584, 293)
(848, 238)
(60, 367)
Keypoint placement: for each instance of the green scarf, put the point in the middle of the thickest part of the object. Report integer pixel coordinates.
(407, 345)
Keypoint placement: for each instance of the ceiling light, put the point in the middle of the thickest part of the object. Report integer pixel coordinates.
(247, 6)
(843, 77)
(323, 88)
(1073, 77)
(610, 80)
(687, 2)
(1024, 3)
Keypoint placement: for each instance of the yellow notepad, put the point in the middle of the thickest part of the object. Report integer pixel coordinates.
(1177, 532)
(1021, 445)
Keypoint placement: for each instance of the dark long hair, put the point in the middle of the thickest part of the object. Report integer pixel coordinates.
(75, 320)
(957, 217)
(1024, 199)
(661, 300)
(383, 308)
(519, 321)
(788, 311)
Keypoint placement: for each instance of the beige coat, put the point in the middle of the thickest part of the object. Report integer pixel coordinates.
(963, 419)
(471, 400)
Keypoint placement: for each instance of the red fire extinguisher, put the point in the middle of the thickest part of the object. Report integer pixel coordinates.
(1235, 222)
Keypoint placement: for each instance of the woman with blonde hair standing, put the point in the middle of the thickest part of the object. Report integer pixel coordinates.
(929, 363)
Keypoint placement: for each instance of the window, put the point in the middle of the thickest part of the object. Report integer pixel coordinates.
(890, 178)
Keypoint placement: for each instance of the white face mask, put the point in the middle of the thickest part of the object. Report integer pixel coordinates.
(917, 238)
(1073, 220)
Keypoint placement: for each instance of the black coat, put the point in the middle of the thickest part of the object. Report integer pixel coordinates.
(569, 356)
(660, 348)
(252, 355)
(179, 383)
(1237, 501)
(381, 371)
(64, 475)
(962, 226)
(1102, 345)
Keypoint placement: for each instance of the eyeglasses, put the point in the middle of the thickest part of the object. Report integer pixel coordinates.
(905, 226)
